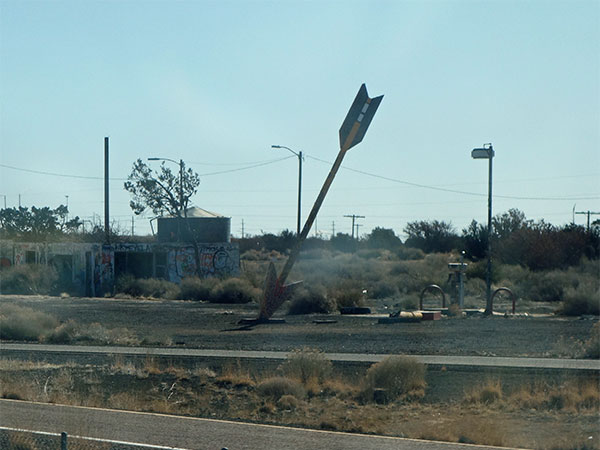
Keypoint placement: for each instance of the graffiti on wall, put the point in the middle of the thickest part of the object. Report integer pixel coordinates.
(103, 269)
(214, 260)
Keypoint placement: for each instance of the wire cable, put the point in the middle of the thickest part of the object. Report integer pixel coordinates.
(454, 191)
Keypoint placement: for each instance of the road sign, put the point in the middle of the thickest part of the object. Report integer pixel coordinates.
(358, 119)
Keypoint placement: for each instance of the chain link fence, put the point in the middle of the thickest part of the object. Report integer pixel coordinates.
(15, 439)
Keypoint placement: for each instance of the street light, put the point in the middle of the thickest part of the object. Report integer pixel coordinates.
(180, 209)
(300, 158)
(487, 152)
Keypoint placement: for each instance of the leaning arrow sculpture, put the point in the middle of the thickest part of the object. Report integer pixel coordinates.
(352, 131)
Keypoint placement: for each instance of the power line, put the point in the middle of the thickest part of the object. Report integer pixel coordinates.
(232, 164)
(83, 177)
(394, 180)
(247, 167)
(40, 172)
(454, 191)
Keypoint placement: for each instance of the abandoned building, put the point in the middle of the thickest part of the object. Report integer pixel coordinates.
(199, 244)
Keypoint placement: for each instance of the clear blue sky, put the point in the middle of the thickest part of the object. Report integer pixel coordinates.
(216, 83)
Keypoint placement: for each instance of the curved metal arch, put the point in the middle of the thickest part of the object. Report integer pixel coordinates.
(436, 288)
(512, 296)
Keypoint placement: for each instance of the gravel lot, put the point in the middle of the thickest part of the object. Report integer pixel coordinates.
(204, 325)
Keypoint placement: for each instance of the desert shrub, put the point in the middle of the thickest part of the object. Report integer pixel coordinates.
(346, 299)
(157, 288)
(287, 402)
(63, 334)
(400, 268)
(585, 299)
(96, 333)
(408, 283)
(307, 364)
(24, 324)
(549, 286)
(479, 270)
(397, 376)
(234, 290)
(475, 287)
(383, 289)
(309, 300)
(487, 393)
(513, 273)
(409, 253)
(194, 288)
(253, 255)
(146, 287)
(127, 284)
(376, 253)
(410, 303)
(28, 279)
(276, 387)
(317, 254)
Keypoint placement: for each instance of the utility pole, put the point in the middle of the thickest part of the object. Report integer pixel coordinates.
(588, 213)
(333, 228)
(106, 210)
(354, 217)
(242, 228)
(358, 225)
(132, 227)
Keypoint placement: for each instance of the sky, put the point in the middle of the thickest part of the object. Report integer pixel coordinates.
(217, 83)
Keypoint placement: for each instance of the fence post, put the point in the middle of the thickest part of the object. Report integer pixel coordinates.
(63, 441)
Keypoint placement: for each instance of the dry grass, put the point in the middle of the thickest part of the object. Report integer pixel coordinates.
(468, 430)
(335, 404)
(570, 396)
(277, 387)
(24, 324)
(234, 375)
(307, 365)
(395, 377)
(487, 393)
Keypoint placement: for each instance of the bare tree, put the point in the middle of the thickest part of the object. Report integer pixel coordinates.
(163, 191)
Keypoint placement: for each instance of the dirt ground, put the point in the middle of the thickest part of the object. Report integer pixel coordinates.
(442, 413)
(205, 325)
(233, 394)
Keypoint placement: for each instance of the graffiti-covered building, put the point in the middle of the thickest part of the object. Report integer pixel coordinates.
(198, 247)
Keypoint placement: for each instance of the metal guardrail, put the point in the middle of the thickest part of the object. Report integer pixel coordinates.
(18, 439)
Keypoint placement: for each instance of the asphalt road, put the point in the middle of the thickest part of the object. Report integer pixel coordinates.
(473, 361)
(193, 433)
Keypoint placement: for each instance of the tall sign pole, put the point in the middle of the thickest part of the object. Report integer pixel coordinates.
(351, 133)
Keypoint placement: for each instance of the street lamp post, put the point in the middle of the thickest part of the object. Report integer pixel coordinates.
(487, 152)
(300, 158)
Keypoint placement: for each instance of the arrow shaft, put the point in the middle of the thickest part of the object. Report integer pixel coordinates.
(313, 213)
